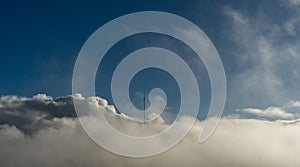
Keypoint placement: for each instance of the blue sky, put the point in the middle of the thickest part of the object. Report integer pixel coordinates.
(40, 42)
(258, 44)
(257, 40)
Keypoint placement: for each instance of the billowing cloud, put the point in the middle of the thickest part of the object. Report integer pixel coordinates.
(32, 114)
(236, 142)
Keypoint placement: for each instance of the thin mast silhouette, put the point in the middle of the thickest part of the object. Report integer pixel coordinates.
(144, 107)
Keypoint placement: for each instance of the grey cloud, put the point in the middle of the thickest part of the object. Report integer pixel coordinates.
(32, 114)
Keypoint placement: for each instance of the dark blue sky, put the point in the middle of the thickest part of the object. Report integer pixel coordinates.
(40, 42)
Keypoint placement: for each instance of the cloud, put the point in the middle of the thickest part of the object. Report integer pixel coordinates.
(265, 51)
(293, 104)
(294, 2)
(236, 142)
(32, 114)
(290, 110)
(270, 112)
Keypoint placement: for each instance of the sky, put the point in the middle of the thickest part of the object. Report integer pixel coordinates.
(257, 40)
(257, 43)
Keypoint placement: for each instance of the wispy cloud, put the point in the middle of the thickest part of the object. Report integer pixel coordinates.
(265, 51)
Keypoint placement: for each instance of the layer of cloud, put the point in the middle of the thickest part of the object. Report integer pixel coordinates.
(236, 142)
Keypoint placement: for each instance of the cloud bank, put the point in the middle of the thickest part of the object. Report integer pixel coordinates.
(50, 135)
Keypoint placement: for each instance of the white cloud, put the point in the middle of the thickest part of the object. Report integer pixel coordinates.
(236, 142)
(270, 112)
(42, 97)
(290, 110)
(293, 104)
